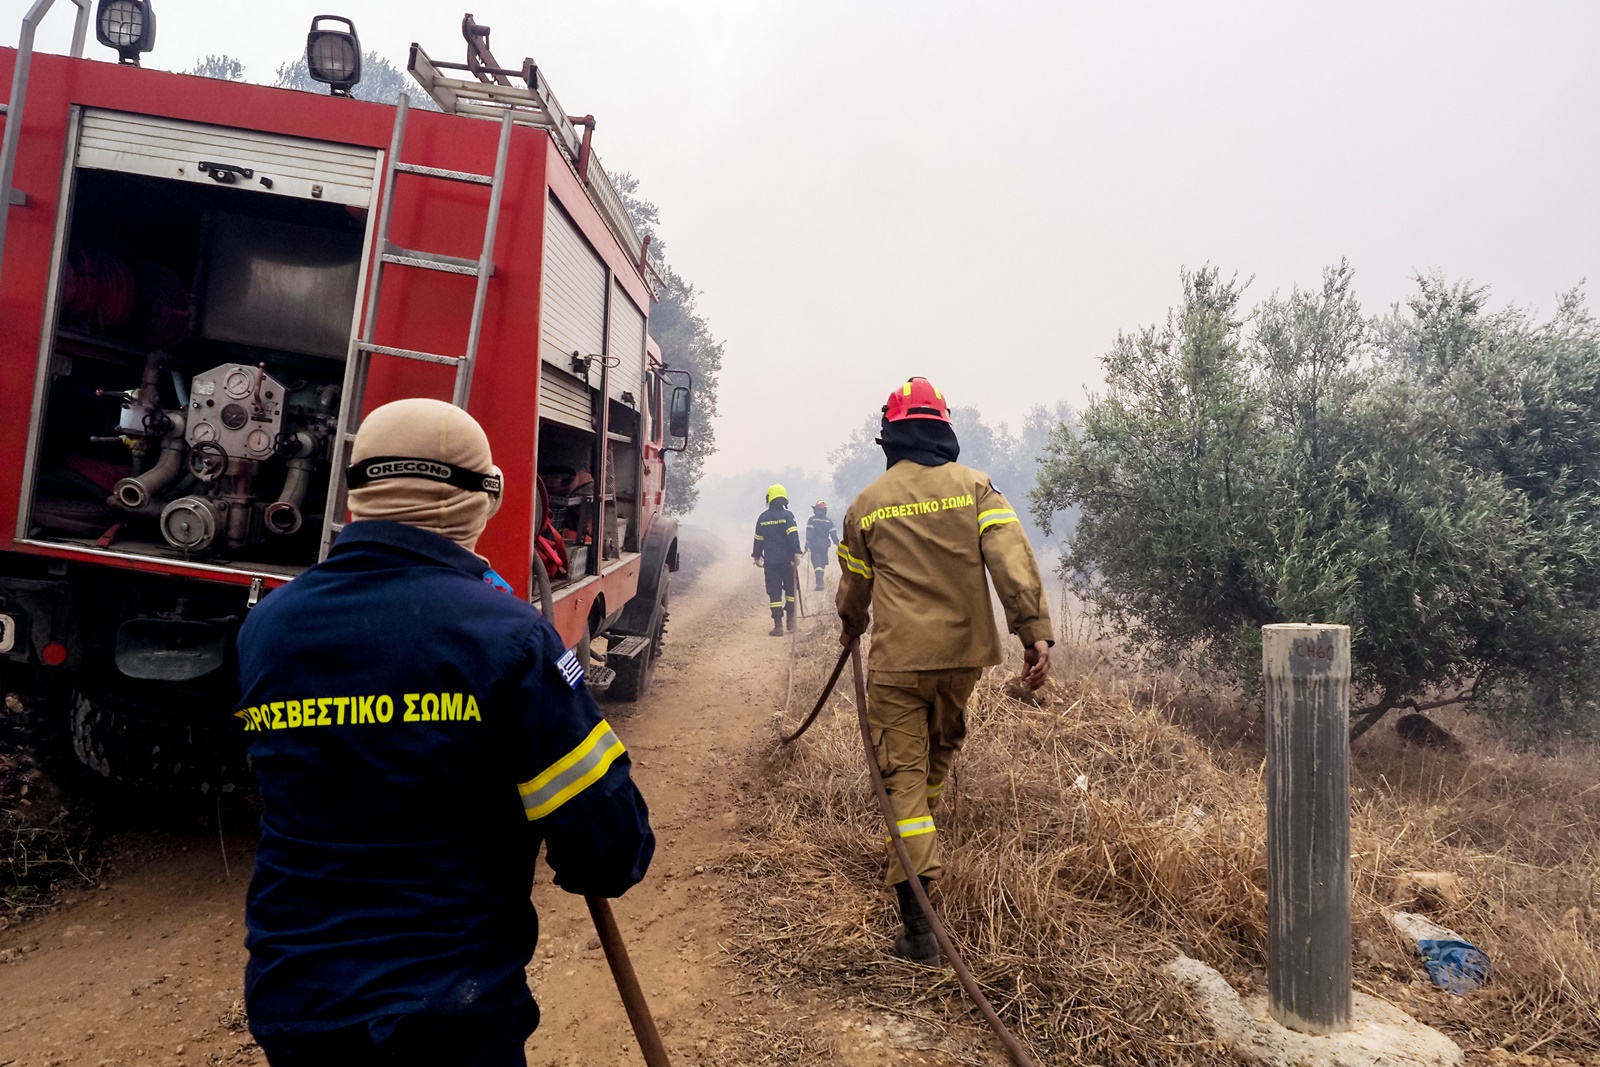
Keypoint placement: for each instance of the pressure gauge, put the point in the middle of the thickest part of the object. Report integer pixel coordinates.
(203, 431)
(259, 442)
(238, 383)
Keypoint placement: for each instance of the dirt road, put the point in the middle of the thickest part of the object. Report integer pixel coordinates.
(147, 967)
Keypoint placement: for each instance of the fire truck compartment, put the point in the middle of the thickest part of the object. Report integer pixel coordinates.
(193, 380)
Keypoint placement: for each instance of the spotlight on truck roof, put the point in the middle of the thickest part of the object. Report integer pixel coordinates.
(334, 56)
(129, 26)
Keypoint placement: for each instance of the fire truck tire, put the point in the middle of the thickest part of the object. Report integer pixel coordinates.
(585, 646)
(91, 727)
(634, 675)
(121, 741)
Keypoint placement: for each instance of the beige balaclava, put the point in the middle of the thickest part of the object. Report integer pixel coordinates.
(427, 430)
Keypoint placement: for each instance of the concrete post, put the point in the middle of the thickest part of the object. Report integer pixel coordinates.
(1307, 673)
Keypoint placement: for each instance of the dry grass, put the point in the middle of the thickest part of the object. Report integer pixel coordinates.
(42, 847)
(1091, 836)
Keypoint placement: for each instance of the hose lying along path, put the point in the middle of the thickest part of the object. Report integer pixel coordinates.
(1014, 1049)
(827, 691)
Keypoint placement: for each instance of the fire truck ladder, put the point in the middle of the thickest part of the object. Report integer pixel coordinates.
(391, 254)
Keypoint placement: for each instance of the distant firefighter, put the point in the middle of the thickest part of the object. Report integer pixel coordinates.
(917, 543)
(821, 536)
(777, 550)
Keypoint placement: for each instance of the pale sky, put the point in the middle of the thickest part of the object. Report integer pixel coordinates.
(987, 194)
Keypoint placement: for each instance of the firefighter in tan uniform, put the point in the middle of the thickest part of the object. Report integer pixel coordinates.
(918, 544)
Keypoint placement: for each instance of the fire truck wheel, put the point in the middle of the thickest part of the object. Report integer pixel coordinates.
(585, 647)
(90, 727)
(123, 741)
(634, 675)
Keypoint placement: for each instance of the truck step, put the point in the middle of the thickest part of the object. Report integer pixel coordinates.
(600, 677)
(627, 648)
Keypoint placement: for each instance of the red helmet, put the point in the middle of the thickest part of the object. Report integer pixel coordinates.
(917, 399)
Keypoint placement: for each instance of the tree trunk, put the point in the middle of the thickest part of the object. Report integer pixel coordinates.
(1367, 718)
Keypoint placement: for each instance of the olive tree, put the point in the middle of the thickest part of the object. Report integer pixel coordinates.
(687, 343)
(223, 67)
(1430, 478)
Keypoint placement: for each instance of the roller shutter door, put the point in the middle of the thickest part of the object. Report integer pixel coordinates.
(564, 399)
(573, 297)
(240, 159)
(627, 346)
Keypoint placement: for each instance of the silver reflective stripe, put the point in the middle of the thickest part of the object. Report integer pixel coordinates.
(594, 758)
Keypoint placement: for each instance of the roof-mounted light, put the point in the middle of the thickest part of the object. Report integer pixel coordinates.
(334, 56)
(129, 26)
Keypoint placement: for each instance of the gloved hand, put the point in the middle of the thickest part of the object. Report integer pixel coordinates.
(756, 560)
(799, 558)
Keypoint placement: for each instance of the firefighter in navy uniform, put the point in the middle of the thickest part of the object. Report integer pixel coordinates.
(417, 733)
(777, 550)
(918, 544)
(821, 536)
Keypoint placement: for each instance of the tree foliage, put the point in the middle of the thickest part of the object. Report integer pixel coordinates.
(1430, 478)
(1011, 460)
(224, 67)
(686, 344)
(381, 82)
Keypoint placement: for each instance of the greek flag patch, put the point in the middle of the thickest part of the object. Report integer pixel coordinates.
(570, 669)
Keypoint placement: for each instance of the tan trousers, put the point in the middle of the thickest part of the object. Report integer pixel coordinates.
(918, 721)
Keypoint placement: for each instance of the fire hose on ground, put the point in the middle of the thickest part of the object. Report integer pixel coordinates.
(969, 984)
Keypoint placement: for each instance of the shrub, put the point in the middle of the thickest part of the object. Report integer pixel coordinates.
(1429, 478)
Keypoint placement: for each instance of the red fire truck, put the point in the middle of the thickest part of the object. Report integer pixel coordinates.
(205, 284)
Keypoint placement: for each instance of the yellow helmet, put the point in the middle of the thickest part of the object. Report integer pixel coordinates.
(776, 492)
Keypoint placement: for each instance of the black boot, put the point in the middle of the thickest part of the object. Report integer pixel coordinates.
(777, 623)
(916, 941)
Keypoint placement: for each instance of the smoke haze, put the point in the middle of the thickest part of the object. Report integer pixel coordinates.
(869, 189)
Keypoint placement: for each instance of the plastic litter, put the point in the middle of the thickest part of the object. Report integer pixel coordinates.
(1454, 964)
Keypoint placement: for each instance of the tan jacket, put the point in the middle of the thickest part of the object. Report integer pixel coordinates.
(916, 544)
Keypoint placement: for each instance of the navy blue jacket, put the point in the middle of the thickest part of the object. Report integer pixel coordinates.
(821, 536)
(416, 733)
(777, 537)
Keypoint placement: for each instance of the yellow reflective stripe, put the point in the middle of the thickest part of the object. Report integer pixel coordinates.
(935, 789)
(913, 827)
(906, 390)
(792, 529)
(759, 537)
(774, 603)
(572, 773)
(852, 564)
(995, 517)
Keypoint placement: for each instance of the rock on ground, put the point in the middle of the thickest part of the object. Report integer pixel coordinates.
(1381, 1034)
